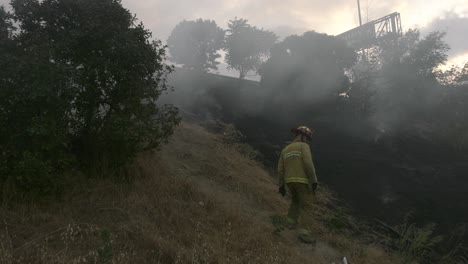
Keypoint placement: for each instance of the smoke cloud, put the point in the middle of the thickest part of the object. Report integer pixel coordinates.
(456, 28)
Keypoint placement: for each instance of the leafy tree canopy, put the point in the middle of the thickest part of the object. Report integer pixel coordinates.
(411, 52)
(195, 44)
(246, 46)
(406, 82)
(307, 68)
(79, 84)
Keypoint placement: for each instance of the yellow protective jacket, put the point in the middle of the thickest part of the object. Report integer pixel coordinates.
(296, 165)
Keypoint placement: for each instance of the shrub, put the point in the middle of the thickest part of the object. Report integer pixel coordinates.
(79, 86)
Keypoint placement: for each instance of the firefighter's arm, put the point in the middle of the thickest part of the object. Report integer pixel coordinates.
(281, 170)
(309, 164)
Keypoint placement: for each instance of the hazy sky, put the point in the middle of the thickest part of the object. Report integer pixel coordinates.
(298, 16)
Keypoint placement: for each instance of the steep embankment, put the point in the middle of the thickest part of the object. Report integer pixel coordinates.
(382, 174)
(200, 199)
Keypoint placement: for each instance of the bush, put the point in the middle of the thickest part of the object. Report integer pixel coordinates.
(414, 244)
(79, 86)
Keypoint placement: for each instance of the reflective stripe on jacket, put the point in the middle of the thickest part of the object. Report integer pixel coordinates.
(296, 165)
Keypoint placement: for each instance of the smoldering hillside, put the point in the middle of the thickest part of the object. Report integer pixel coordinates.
(388, 128)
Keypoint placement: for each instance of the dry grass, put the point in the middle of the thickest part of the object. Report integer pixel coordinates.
(198, 200)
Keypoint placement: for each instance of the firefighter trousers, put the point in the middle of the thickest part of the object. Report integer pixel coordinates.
(301, 208)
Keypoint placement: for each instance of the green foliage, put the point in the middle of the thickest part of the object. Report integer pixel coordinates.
(80, 86)
(454, 247)
(451, 116)
(5, 24)
(414, 244)
(419, 55)
(279, 222)
(406, 78)
(303, 73)
(195, 44)
(105, 252)
(338, 220)
(397, 84)
(37, 175)
(247, 46)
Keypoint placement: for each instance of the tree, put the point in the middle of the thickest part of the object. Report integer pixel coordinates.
(305, 70)
(303, 78)
(195, 44)
(80, 81)
(450, 115)
(5, 24)
(406, 83)
(247, 46)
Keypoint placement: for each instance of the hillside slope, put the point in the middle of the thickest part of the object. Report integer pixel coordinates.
(200, 199)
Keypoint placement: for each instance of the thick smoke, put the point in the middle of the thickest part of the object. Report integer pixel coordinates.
(405, 86)
(304, 72)
(377, 122)
(456, 28)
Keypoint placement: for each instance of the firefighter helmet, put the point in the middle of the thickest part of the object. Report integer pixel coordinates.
(303, 130)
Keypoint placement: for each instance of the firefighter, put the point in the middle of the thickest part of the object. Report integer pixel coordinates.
(296, 171)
